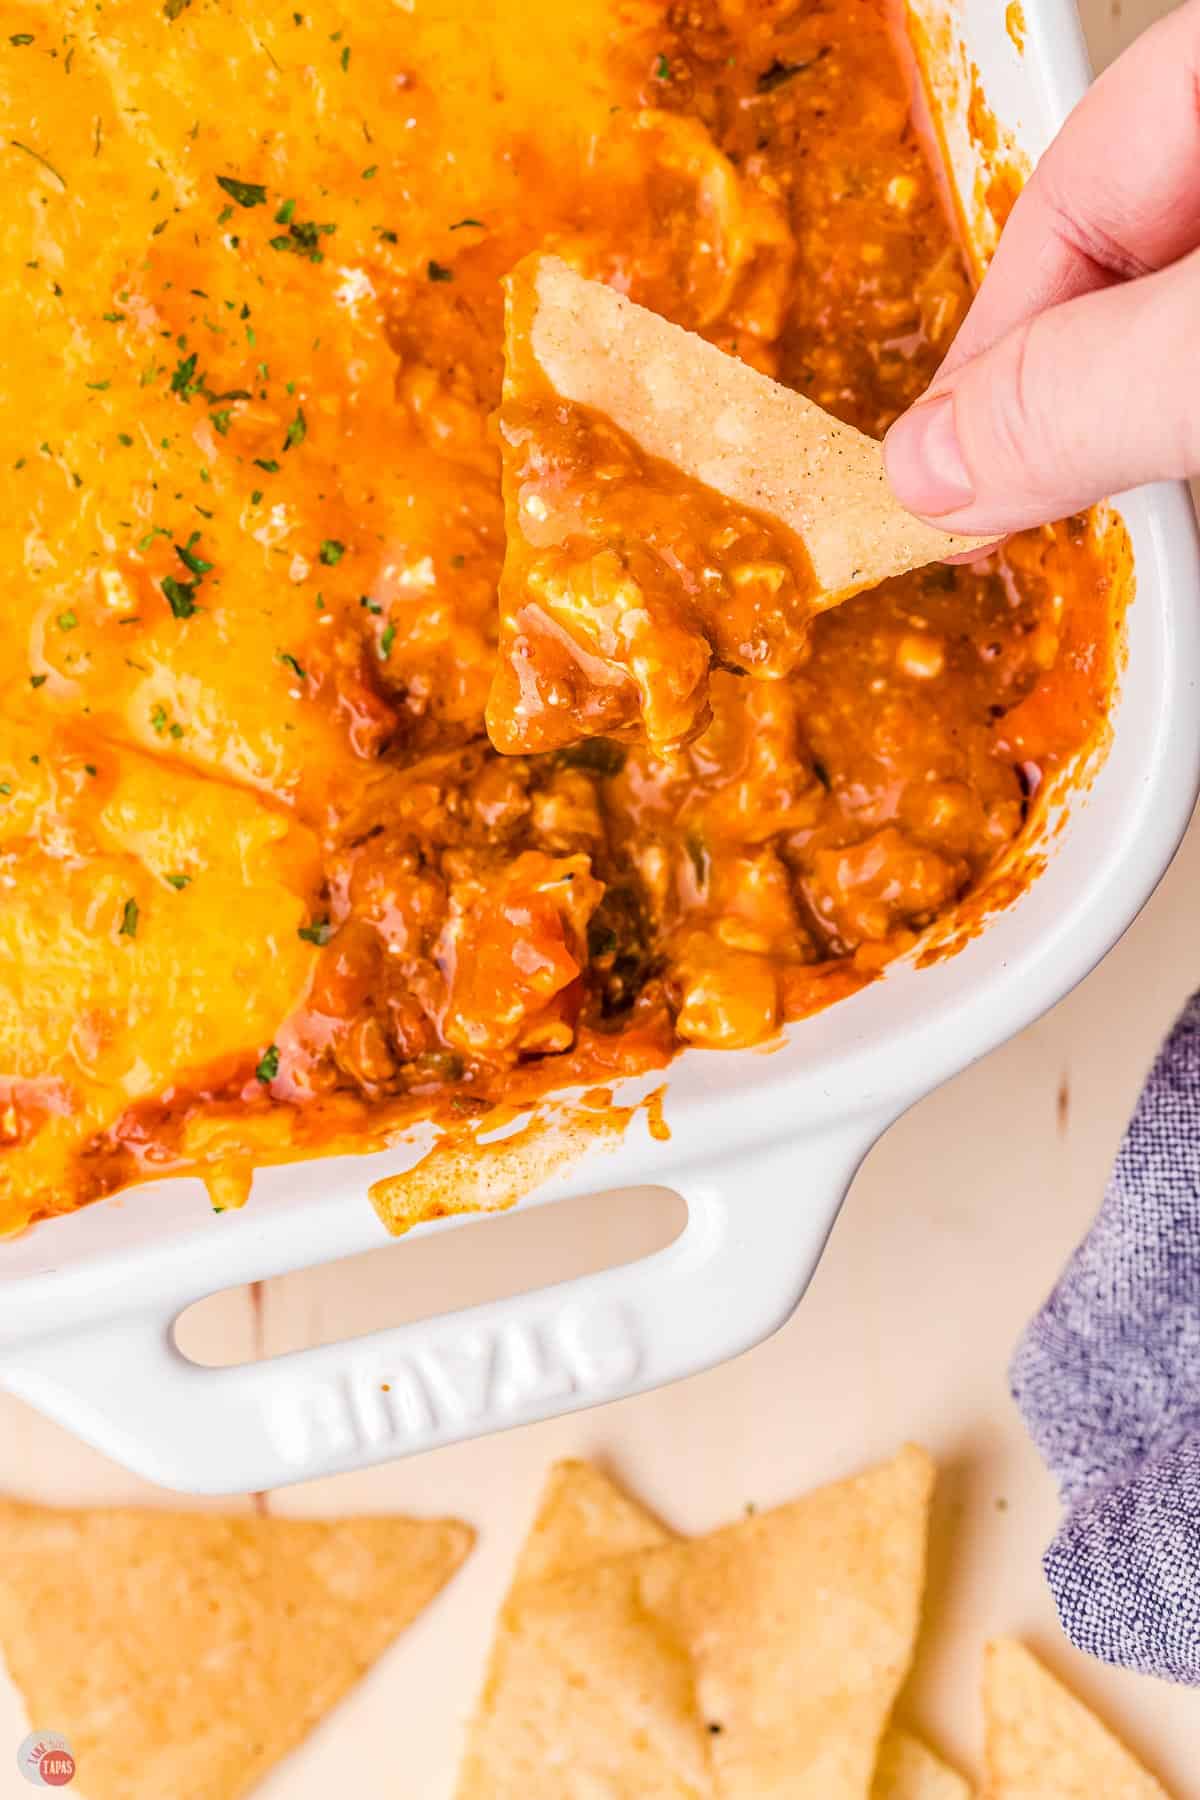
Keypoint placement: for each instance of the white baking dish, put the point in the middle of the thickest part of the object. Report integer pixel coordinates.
(762, 1147)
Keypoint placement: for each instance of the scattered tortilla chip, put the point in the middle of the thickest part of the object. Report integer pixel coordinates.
(581, 1697)
(583, 1518)
(908, 1770)
(1043, 1744)
(799, 1625)
(586, 1697)
(735, 430)
(185, 1653)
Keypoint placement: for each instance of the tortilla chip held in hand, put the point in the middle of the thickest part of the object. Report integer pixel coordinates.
(183, 1654)
(667, 507)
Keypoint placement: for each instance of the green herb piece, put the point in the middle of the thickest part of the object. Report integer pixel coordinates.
(461, 224)
(269, 463)
(39, 158)
(246, 193)
(389, 237)
(256, 497)
(183, 378)
(129, 920)
(386, 641)
(179, 881)
(157, 532)
(158, 719)
(19, 38)
(319, 932)
(332, 551)
(37, 681)
(187, 556)
(123, 437)
(220, 421)
(285, 656)
(371, 173)
(285, 212)
(296, 433)
(6, 788)
(662, 68)
(345, 58)
(113, 318)
(98, 387)
(181, 596)
(67, 621)
(268, 1064)
(437, 271)
(90, 769)
(176, 731)
(372, 606)
(173, 8)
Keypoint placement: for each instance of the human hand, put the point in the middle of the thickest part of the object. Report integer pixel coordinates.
(1077, 370)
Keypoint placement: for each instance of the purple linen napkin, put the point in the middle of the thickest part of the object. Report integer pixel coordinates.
(1107, 1378)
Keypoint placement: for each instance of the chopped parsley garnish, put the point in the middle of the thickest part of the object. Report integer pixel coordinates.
(371, 173)
(319, 932)
(158, 719)
(123, 437)
(461, 224)
(372, 606)
(297, 431)
(268, 1064)
(39, 158)
(387, 639)
(181, 596)
(345, 58)
(97, 387)
(183, 379)
(268, 463)
(389, 237)
(173, 8)
(303, 235)
(246, 193)
(156, 532)
(20, 37)
(129, 920)
(6, 788)
(37, 681)
(437, 271)
(220, 421)
(285, 656)
(67, 621)
(90, 769)
(332, 551)
(179, 881)
(662, 68)
(187, 556)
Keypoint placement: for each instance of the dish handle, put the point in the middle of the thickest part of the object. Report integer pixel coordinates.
(755, 1229)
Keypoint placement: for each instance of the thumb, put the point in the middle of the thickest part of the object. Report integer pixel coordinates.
(1075, 403)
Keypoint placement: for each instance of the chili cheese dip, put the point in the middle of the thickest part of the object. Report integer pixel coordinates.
(266, 887)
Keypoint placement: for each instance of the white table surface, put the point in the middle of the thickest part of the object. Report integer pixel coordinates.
(954, 1230)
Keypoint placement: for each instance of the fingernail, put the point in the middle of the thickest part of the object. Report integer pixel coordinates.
(924, 462)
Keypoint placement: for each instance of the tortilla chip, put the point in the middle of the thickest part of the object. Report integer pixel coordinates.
(907, 1770)
(185, 1653)
(735, 430)
(1043, 1744)
(799, 1625)
(583, 1518)
(581, 1697)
